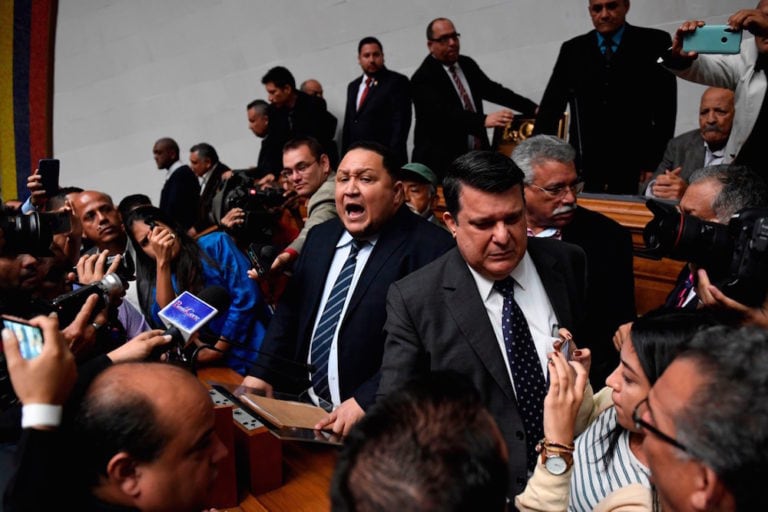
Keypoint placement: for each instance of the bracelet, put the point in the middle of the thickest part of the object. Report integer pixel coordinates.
(41, 415)
(555, 447)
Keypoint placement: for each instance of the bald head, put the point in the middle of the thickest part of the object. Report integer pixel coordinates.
(101, 221)
(312, 87)
(166, 152)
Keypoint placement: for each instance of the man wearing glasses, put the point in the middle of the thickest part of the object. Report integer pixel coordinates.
(448, 93)
(622, 102)
(706, 424)
(551, 186)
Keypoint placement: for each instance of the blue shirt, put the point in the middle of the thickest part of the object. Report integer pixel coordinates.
(616, 40)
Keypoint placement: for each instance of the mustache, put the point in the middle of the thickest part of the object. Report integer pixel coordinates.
(566, 208)
(712, 129)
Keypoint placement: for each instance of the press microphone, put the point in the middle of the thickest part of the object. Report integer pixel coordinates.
(187, 314)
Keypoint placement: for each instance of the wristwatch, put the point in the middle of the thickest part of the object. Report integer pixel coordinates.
(556, 458)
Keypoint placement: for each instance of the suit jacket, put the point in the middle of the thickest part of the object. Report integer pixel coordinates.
(622, 113)
(610, 286)
(180, 197)
(436, 320)
(205, 217)
(686, 151)
(442, 124)
(384, 116)
(309, 117)
(406, 243)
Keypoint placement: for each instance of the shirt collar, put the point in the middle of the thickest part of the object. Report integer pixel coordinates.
(521, 274)
(346, 239)
(616, 36)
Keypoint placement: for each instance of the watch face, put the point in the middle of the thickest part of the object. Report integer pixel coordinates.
(556, 465)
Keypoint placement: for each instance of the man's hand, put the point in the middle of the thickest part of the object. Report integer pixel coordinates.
(711, 297)
(687, 27)
(258, 385)
(669, 185)
(343, 418)
(234, 217)
(140, 347)
(90, 268)
(752, 20)
(567, 382)
(48, 378)
(80, 335)
(282, 262)
(35, 186)
(499, 119)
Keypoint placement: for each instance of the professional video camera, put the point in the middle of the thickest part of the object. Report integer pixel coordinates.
(735, 255)
(33, 233)
(262, 206)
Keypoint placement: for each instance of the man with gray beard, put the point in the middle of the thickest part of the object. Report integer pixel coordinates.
(551, 188)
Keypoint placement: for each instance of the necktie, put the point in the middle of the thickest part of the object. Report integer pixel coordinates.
(368, 81)
(608, 47)
(326, 328)
(466, 101)
(530, 388)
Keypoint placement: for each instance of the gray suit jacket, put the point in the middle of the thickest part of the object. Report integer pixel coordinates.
(686, 150)
(436, 320)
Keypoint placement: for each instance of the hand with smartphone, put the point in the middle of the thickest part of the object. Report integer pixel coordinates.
(41, 366)
(44, 182)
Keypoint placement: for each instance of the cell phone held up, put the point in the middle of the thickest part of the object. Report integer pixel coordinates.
(48, 170)
(30, 337)
(713, 39)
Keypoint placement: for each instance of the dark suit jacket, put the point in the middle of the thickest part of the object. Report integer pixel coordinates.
(205, 218)
(624, 111)
(270, 156)
(686, 151)
(180, 197)
(610, 286)
(309, 117)
(384, 116)
(405, 244)
(436, 320)
(442, 124)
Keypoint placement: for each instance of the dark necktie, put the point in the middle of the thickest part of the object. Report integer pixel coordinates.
(367, 88)
(530, 387)
(326, 328)
(466, 101)
(608, 47)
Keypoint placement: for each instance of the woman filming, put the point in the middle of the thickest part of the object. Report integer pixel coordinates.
(170, 262)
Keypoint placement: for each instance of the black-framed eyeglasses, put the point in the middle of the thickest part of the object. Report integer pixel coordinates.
(559, 191)
(446, 38)
(641, 424)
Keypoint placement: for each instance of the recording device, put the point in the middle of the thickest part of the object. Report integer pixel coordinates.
(48, 169)
(187, 314)
(30, 337)
(33, 233)
(261, 257)
(713, 39)
(67, 306)
(735, 255)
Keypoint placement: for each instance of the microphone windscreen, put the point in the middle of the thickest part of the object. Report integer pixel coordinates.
(268, 252)
(216, 296)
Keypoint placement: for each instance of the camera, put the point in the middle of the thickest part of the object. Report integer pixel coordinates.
(735, 255)
(33, 233)
(67, 306)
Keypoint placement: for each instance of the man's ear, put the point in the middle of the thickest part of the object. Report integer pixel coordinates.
(450, 222)
(123, 473)
(399, 191)
(709, 492)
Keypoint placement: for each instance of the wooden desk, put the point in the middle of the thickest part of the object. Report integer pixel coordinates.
(307, 468)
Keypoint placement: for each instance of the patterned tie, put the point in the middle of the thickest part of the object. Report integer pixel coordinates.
(466, 100)
(608, 47)
(326, 328)
(368, 81)
(527, 375)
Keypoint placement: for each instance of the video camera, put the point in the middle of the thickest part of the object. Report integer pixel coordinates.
(735, 255)
(33, 233)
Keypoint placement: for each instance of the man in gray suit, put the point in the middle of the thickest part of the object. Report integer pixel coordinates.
(697, 148)
(458, 313)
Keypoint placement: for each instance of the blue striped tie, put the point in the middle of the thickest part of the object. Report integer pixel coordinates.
(326, 328)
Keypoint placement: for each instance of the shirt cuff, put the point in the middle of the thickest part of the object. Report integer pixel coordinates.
(41, 415)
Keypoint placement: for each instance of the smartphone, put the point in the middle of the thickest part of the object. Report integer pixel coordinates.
(713, 39)
(30, 337)
(48, 169)
(254, 257)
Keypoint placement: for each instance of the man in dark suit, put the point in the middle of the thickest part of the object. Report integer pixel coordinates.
(378, 103)
(458, 313)
(271, 152)
(697, 148)
(448, 93)
(390, 242)
(551, 187)
(210, 172)
(181, 192)
(623, 103)
(293, 113)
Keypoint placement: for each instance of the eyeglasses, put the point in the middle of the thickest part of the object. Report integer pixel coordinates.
(641, 424)
(447, 37)
(300, 168)
(611, 6)
(560, 191)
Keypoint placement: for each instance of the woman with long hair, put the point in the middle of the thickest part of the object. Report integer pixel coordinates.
(169, 262)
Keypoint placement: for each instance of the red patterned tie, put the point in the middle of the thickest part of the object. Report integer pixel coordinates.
(368, 81)
(467, 101)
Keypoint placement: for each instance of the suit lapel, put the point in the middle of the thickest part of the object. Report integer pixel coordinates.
(323, 255)
(551, 277)
(468, 311)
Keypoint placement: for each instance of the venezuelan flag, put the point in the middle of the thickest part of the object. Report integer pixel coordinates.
(27, 38)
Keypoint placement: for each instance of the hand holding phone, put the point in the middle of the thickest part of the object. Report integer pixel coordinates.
(48, 169)
(713, 39)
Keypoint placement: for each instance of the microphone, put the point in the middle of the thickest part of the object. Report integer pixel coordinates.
(187, 314)
(262, 257)
(210, 338)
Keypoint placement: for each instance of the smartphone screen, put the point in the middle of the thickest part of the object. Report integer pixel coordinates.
(48, 169)
(30, 337)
